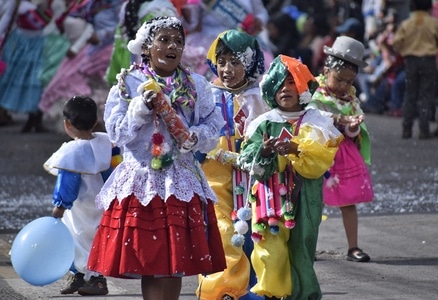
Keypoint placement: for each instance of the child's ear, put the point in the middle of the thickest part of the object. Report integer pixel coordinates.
(67, 124)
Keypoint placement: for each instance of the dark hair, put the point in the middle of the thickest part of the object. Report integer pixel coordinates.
(222, 49)
(423, 5)
(81, 112)
(131, 23)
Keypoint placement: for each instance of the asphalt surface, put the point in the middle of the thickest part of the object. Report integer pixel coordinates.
(398, 229)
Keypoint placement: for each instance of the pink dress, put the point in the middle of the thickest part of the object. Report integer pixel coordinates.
(349, 182)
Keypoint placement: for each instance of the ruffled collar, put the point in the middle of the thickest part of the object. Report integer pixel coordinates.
(290, 115)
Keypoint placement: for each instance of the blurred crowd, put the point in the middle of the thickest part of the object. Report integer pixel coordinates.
(53, 49)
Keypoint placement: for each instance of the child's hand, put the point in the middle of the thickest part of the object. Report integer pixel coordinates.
(286, 147)
(148, 98)
(352, 121)
(189, 143)
(58, 212)
(268, 147)
(352, 126)
(147, 95)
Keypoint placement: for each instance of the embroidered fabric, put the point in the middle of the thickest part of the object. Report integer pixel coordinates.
(184, 177)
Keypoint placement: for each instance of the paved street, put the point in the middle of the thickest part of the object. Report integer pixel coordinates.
(398, 229)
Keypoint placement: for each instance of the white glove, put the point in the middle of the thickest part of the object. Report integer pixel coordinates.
(137, 110)
(189, 143)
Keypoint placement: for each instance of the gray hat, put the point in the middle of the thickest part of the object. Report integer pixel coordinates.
(348, 49)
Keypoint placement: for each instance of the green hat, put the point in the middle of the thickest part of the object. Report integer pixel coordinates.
(246, 48)
(279, 69)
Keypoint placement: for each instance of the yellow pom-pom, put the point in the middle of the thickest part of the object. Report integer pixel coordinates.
(116, 160)
(152, 85)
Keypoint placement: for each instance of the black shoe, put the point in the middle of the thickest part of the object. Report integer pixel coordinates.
(34, 122)
(74, 282)
(95, 286)
(5, 117)
(356, 254)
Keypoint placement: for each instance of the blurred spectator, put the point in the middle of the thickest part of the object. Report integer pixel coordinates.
(317, 33)
(382, 73)
(84, 73)
(416, 40)
(371, 12)
(7, 9)
(283, 34)
(352, 27)
(401, 7)
(23, 54)
(209, 20)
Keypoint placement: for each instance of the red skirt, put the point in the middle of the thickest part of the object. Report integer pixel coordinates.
(172, 238)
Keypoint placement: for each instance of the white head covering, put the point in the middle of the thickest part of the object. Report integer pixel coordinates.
(145, 35)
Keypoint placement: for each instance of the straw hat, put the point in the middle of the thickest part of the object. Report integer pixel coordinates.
(348, 49)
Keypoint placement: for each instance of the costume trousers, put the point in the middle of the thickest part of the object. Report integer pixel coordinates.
(421, 76)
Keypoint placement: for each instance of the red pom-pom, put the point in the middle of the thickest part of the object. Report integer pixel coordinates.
(234, 215)
(256, 237)
(273, 221)
(289, 224)
(157, 138)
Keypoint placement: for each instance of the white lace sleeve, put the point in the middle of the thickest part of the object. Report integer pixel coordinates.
(121, 126)
(210, 120)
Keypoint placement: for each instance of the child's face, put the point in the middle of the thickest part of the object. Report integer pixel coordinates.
(287, 97)
(340, 81)
(230, 71)
(166, 51)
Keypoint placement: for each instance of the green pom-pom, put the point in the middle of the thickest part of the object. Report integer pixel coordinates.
(252, 198)
(289, 216)
(166, 160)
(156, 163)
(259, 227)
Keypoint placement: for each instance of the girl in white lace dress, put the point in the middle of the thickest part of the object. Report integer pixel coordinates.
(159, 222)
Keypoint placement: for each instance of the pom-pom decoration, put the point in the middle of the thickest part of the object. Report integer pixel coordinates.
(156, 150)
(288, 216)
(159, 151)
(234, 215)
(256, 237)
(244, 213)
(274, 229)
(273, 221)
(157, 138)
(241, 227)
(238, 240)
(259, 227)
(116, 157)
(290, 224)
(156, 163)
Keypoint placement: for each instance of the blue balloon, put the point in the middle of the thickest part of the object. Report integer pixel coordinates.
(43, 251)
